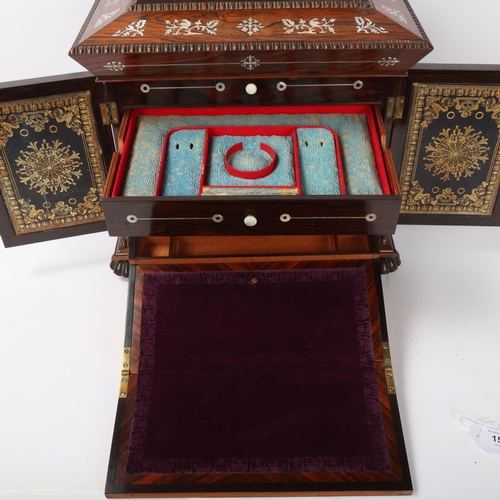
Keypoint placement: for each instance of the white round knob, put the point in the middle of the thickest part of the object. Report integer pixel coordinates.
(251, 88)
(250, 220)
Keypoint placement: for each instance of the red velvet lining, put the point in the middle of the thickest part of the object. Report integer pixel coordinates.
(255, 174)
(125, 154)
(254, 110)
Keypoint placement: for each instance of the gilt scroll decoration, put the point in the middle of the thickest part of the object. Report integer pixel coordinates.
(51, 172)
(451, 163)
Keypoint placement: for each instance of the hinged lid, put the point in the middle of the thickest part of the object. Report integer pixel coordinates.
(122, 39)
(280, 383)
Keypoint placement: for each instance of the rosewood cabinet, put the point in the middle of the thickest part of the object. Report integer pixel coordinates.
(357, 140)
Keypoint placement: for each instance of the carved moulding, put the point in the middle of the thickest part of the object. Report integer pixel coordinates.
(389, 258)
(451, 163)
(51, 171)
(332, 36)
(120, 264)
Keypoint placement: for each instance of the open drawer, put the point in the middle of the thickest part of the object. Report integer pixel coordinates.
(177, 172)
(257, 374)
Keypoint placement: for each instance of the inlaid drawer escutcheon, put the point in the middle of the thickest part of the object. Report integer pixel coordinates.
(357, 85)
(133, 218)
(288, 218)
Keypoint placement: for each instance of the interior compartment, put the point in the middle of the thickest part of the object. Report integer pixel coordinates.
(338, 151)
(210, 246)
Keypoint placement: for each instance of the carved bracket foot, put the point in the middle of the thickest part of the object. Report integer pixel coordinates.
(389, 257)
(120, 260)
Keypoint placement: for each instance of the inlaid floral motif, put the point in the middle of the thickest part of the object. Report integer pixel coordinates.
(186, 27)
(115, 66)
(250, 26)
(309, 28)
(133, 29)
(106, 17)
(389, 61)
(49, 167)
(456, 154)
(395, 13)
(365, 25)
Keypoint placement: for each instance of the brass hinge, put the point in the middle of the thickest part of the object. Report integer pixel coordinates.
(389, 376)
(109, 113)
(395, 107)
(125, 372)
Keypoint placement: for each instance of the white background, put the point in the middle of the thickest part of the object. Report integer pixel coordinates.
(62, 311)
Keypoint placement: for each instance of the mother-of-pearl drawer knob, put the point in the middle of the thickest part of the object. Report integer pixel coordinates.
(250, 220)
(251, 88)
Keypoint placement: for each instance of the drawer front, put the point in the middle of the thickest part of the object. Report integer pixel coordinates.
(254, 91)
(151, 216)
(325, 170)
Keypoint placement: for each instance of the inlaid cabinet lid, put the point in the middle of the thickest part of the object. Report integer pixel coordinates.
(122, 39)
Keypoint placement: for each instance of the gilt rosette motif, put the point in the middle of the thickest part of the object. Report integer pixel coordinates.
(49, 167)
(451, 164)
(458, 153)
(51, 171)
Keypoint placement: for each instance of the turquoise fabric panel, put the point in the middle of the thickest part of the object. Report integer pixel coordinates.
(361, 176)
(251, 158)
(352, 130)
(184, 163)
(145, 158)
(318, 161)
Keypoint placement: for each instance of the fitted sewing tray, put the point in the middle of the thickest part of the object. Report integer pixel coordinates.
(257, 366)
(177, 172)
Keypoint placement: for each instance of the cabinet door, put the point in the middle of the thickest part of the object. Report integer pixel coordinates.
(447, 146)
(53, 158)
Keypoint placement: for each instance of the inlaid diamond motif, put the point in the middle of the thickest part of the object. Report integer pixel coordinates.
(250, 63)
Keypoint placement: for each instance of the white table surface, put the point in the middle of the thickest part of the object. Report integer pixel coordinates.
(62, 311)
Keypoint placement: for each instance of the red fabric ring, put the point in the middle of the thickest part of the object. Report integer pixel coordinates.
(253, 174)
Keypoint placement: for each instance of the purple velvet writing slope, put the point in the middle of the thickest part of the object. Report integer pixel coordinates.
(257, 371)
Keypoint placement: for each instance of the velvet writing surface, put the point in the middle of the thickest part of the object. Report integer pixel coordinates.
(257, 371)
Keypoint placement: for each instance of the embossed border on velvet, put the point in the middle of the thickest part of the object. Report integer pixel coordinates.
(378, 460)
